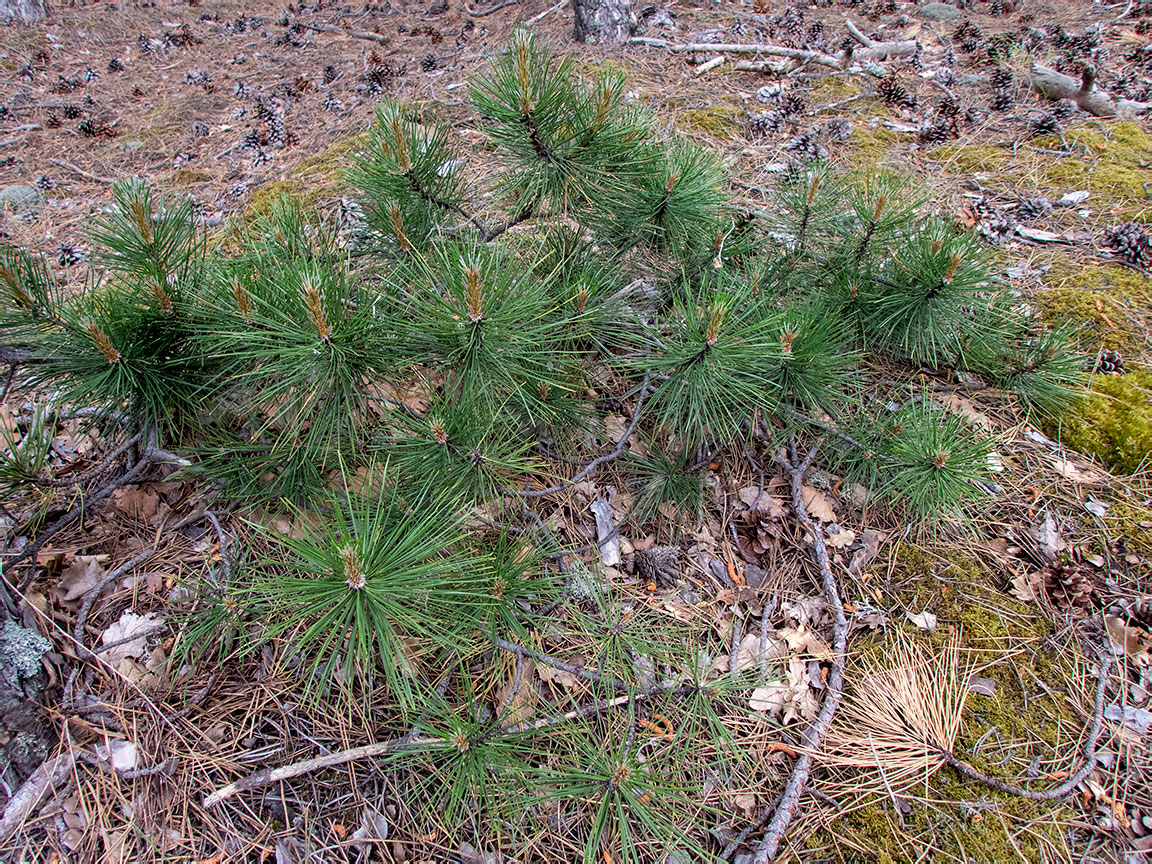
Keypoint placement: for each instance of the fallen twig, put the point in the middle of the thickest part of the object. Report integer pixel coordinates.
(495, 8)
(340, 31)
(1091, 755)
(80, 172)
(49, 775)
(790, 797)
(1056, 85)
(595, 463)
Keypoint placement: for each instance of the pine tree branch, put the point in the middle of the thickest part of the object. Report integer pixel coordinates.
(789, 801)
(1090, 751)
(596, 463)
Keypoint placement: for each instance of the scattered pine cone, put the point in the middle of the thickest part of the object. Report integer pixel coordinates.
(807, 146)
(1130, 241)
(969, 37)
(72, 112)
(1068, 586)
(428, 64)
(1109, 363)
(760, 125)
(758, 533)
(67, 255)
(115, 65)
(1003, 97)
(45, 182)
(1046, 124)
(1033, 208)
(892, 92)
(659, 565)
(999, 228)
(331, 73)
(836, 129)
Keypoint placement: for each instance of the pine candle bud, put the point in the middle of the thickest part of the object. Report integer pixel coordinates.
(473, 297)
(397, 220)
(160, 292)
(316, 309)
(353, 575)
(438, 431)
(142, 220)
(19, 296)
(715, 321)
(399, 146)
(787, 337)
(941, 459)
(102, 342)
(581, 300)
(243, 301)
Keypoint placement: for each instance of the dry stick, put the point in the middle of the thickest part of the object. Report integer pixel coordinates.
(96, 470)
(496, 8)
(595, 463)
(1091, 756)
(49, 775)
(223, 545)
(340, 31)
(95, 178)
(790, 797)
(586, 674)
(72, 515)
(1056, 85)
(545, 13)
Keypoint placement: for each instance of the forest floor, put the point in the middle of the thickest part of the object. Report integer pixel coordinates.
(1060, 561)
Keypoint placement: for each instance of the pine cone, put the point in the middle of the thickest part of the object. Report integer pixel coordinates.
(67, 255)
(1109, 363)
(1130, 241)
(115, 65)
(1045, 124)
(766, 123)
(758, 534)
(936, 133)
(836, 129)
(45, 182)
(807, 147)
(892, 92)
(331, 73)
(1068, 586)
(428, 64)
(1032, 208)
(660, 564)
(1003, 97)
(999, 228)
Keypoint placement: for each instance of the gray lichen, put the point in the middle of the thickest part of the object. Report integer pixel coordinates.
(21, 649)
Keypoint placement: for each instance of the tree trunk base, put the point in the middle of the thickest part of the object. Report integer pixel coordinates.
(603, 22)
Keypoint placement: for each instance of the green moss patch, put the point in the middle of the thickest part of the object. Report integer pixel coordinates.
(970, 158)
(720, 121)
(1114, 423)
(1114, 163)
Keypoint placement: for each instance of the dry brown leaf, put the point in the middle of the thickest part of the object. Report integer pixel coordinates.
(869, 549)
(567, 679)
(523, 703)
(744, 802)
(817, 505)
(957, 404)
(842, 539)
(78, 578)
(130, 624)
(1028, 587)
(1133, 641)
(757, 499)
(805, 641)
(1078, 473)
(138, 502)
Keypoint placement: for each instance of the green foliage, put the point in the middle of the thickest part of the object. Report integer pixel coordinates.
(348, 594)
(24, 457)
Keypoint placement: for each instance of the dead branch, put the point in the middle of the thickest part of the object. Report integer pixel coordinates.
(1091, 755)
(495, 8)
(790, 798)
(1056, 85)
(340, 31)
(48, 776)
(80, 172)
(595, 463)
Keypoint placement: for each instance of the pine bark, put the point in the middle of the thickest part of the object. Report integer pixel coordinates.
(601, 22)
(23, 11)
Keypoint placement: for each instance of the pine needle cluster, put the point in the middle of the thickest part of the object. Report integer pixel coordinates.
(471, 336)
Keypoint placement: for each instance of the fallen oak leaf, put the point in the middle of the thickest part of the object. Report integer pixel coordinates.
(817, 505)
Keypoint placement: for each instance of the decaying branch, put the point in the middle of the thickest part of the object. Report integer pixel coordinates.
(789, 800)
(1056, 85)
(870, 50)
(51, 774)
(1090, 752)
